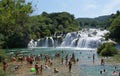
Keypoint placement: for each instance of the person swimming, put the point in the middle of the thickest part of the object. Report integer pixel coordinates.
(101, 72)
(114, 73)
(56, 70)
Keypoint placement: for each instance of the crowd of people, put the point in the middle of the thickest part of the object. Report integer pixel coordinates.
(35, 61)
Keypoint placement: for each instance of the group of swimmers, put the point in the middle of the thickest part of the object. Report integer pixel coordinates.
(114, 73)
(35, 60)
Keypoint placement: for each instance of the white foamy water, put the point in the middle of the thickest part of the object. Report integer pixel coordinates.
(85, 38)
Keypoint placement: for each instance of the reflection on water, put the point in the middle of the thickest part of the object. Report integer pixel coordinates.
(85, 66)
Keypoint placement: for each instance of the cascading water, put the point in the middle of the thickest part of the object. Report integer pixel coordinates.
(68, 39)
(74, 42)
(86, 38)
(52, 41)
(32, 44)
(46, 42)
(89, 42)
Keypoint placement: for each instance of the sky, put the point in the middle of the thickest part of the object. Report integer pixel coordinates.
(79, 8)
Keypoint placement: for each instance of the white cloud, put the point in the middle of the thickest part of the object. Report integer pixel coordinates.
(89, 7)
(110, 7)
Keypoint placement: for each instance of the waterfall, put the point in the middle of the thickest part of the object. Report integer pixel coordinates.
(81, 42)
(90, 38)
(68, 39)
(85, 38)
(46, 42)
(32, 44)
(74, 42)
(52, 41)
(90, 42)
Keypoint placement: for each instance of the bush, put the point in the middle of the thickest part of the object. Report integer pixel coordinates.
(2, 55)
(99, 49)
(2, 73)
(107, 49)
(1, 58)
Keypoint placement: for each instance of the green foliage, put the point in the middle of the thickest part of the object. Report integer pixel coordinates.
(3, 74)
(1, 40)
(98, 22)
(14, 17)
(49, 24)
(2, 58)
(17, 27)
(99, 49)
(115, 29)
(2, 55)
(107, 49)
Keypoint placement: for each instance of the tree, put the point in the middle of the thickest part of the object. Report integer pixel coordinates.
(14, 16)
(47, 24)
(115, 29)
(17, 27)
(107, 49)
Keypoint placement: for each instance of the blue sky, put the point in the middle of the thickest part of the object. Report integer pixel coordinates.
(80, 8)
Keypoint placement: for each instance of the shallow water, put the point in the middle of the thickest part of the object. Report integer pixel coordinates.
(85, 66)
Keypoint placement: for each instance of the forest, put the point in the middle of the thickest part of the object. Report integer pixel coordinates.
(18, 27)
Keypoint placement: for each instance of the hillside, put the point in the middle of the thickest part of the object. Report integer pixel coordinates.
(102, 18)
(93, 22)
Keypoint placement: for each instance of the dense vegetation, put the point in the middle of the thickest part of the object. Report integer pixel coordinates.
(17, 27)
(52, 24)
(107, 49)
(115, 27)
(3, 57)
(14, 16)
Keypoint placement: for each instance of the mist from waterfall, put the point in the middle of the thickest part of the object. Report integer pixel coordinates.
(85, 38)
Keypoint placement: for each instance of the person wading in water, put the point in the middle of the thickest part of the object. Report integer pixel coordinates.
(70, 66)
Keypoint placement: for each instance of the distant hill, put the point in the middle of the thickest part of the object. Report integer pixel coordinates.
(93, 22)
(102, 18)
(86, 19)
